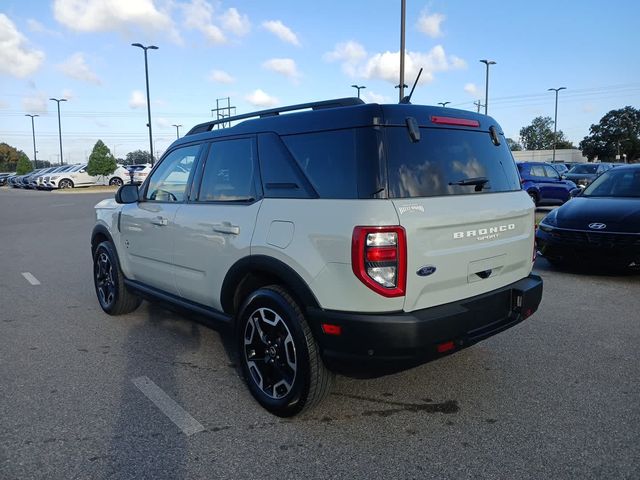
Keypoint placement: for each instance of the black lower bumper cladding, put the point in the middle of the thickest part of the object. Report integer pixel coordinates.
(394, 341)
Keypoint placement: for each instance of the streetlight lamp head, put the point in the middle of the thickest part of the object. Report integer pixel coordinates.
(137, 45)
(152, 47)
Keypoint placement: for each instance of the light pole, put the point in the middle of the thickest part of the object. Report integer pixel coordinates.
(33, 131)
(177, 130)
(444, 104)
(478, 104)
(146, 74)
(486, 86)
(359, 87)
(58, 100)
(555, 119)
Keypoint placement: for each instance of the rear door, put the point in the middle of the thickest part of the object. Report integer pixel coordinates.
(216, 226)
(466, 219)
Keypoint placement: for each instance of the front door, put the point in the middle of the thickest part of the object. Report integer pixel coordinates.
(148, 227)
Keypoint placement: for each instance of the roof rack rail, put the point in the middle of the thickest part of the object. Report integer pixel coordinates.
(339, 102)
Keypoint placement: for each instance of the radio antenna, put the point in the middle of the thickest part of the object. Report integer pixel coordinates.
(407, 99)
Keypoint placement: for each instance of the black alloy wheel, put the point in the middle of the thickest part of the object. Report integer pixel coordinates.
(111, 291)
(115, 182)
(279, 356)
(65, 183)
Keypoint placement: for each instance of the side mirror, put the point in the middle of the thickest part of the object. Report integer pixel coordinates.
(575, 192)
(127, 193)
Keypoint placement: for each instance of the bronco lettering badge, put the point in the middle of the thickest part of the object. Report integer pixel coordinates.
(485, 233)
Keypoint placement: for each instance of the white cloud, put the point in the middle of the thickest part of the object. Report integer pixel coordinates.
(68, 94)
(429, 24)
(220, 76)
(283, 66)
(16, 58)
(236, 23)
(372, 97)
(259, 98)
(163, 122)
(137, 100)
(199, 16)
(76, 67)
(281, 31)
(35, 103)
(37, 27)
(125, 16)
(471, 89)
(386, 66)
(349, 53)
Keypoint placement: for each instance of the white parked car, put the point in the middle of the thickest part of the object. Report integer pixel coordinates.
(76, 176)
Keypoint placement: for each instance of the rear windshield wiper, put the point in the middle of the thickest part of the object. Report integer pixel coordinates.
(479, 182)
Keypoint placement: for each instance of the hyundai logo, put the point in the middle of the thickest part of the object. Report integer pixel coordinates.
(597, 226)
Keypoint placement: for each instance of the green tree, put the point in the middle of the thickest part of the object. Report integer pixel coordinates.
(539, 135)
(513, 145)
(137, 157)
(101, 161)
(24, 165)
(9, 157)
(617, 134)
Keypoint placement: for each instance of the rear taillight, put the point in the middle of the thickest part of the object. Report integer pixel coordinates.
(379, 259)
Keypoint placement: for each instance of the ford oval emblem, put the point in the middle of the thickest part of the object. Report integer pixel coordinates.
(426, 270)
(597, 226)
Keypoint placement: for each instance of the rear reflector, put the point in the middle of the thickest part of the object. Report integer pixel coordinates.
(330, 329)
(461, 122)
(446, 346)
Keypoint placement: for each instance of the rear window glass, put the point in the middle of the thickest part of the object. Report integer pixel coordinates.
(443, 159)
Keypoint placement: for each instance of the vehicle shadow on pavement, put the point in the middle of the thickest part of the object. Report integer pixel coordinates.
(543, 265)
(145, 443)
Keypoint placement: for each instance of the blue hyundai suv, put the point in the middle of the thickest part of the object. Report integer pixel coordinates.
(544, 184)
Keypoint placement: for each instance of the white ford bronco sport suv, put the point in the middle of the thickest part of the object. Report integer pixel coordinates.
(341, 236)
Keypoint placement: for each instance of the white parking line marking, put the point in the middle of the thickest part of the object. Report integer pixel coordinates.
(168, 406)
(30, 278)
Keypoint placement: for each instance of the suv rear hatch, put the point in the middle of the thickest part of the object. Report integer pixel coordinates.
(469, 227)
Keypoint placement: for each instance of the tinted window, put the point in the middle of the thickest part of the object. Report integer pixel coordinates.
(281, 177)
(229, 172)
(442, 159)
(169, 180)
(339, 163)
(584, 169)
(615, 183)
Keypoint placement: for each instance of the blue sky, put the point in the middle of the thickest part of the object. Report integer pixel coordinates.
(263, 54)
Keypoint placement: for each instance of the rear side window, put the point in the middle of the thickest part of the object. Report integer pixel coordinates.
(444, 160)
(339, 163)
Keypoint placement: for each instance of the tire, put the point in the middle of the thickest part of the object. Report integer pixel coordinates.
(534, 197)
(279, 357)
(116, 181)
(65, 183)
(113, 296)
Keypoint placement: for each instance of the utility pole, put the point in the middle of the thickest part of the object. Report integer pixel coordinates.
(222, 112)
(478, 104)
(33, 131)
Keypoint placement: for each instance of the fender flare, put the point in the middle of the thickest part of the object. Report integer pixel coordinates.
(265, 265)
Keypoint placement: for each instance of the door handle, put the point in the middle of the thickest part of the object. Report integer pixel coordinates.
(160, 221)
(226, 227)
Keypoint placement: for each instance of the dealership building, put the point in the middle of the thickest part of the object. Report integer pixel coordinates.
(562, 155)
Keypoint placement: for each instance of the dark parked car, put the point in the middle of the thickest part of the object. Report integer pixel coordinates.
(3, 178)
(584, 173)
(561, 168)
(544, 184)
(601, 225)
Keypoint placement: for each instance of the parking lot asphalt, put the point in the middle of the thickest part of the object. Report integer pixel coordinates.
(557, 396)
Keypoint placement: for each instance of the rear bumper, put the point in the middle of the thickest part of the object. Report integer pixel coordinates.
(394, 341)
